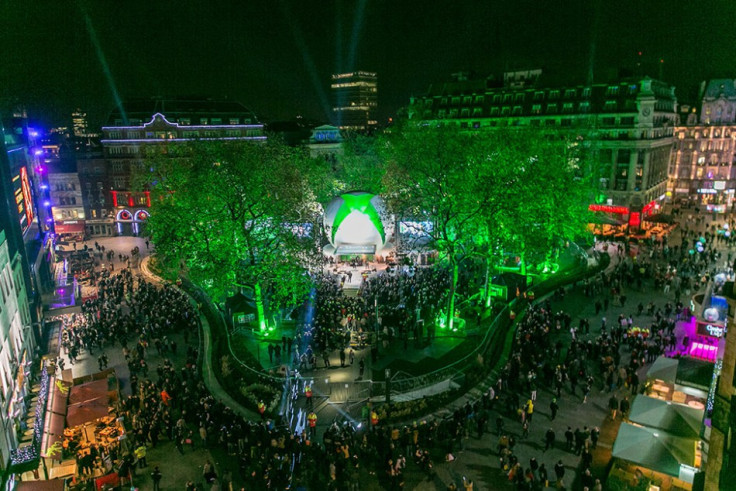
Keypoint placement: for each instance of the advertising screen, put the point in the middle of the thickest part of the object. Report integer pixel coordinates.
(23, 198)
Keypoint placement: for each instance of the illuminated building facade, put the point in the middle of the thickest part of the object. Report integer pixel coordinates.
(355, 97)
(702, 169)
(630, 122)
(718, 102)
(67, 206)
(155, 122)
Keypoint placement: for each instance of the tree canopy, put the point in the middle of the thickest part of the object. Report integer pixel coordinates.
(227, 212)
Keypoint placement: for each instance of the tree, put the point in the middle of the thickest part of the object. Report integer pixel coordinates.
(224, 213)
(437, 174)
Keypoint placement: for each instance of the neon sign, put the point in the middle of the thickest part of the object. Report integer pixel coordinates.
(619, 210)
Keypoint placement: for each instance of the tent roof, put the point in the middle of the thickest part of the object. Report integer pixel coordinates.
(50, 485)
(677, 419)
(653, 449)
(664, 368)
(59, 397)
(683, 371)
(695, 373)
(87, 411)
(88, 391)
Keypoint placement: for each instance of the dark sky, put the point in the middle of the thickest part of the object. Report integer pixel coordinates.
(276, 56)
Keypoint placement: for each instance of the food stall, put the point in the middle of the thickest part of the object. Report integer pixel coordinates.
(652, 459)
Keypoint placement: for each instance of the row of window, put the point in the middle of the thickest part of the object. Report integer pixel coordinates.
(189, 122)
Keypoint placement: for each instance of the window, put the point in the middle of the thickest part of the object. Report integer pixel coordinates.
(566, 122)
(477, 111)
(116, 135)
(608, 121)
(568, 107)
(465, 112)
(496, 98)
(610, 106)
(216, 121)
(476, 124)
(494, 111)
(479, 99)
(467, 99)
(134, 135)
(519, 97)
(551, 108)
(539, 96)
(234, 121)
(115, 150)
(505, 111)
(586, 92)
(190, 133)
(516, 111)
(232, 133)
(456, 100)
(203, 121)
(549, 122)
(185, 121)
(554, 94)
(584, 107)
(612, 90)
(569, 93)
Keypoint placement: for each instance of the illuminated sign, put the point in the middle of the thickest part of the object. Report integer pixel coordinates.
(619, 210)
(711, 329)
(635, 219)
(23, 198)
(719, 185)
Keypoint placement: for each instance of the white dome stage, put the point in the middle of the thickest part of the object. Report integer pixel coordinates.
(358, 222)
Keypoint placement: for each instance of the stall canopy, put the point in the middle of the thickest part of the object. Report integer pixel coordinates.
(654, 449)
(683, 371)
(676, 419)
(87, 411)
(51, 485)
(664, 369)
(59, 396)
(88, 391)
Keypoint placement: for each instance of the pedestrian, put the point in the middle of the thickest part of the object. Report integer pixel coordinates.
(361, 368)
(156, 478)
(140, 454)
(594, 435)
(312, 420)
(549, 440)
(553, 408)
(560, 474)
(351, 356)
(308, 395)
(613, 405)
(342, 358)
(569, 438)
(624, 407)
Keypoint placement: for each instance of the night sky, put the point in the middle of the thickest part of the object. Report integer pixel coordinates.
(276, 56)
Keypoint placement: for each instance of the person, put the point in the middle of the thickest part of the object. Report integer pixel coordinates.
(312, 420)
(361, 368)
(613, 405)
(156, 478)
(624, 407)
(549, 440)
(560, 474)
(351, 356)
(262, 409)
(140, 454)
(553, 408)
(342, 358)
(308, 395)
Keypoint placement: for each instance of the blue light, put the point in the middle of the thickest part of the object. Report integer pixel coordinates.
(47, 203)
(44, 187)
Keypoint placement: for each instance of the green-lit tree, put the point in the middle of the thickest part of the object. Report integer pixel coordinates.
(442, 175)
(224, 214)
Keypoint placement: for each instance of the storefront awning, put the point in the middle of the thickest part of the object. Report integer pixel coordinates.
(50, 485)
(84, 412)
(88, 391)
(59, 395)
(69, 227)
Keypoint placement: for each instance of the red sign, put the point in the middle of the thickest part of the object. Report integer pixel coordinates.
(648, 208)
(619, 210)
(635, 219)
(69, 227)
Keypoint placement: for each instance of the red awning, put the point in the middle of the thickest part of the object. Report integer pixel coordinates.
(84, 412)
(88, 391)
(51, 485)
(59, 395)
(69, 227)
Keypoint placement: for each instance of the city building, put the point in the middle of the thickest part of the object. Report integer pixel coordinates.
(150, 123)
(24, 268)
(629, 122)
(17, 351)
(355, 97)
(80, 127)
(65, 193)
(702, 169)
(96, 198)
(718, 102)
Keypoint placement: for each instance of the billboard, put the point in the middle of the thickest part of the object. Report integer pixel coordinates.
(23, 198)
